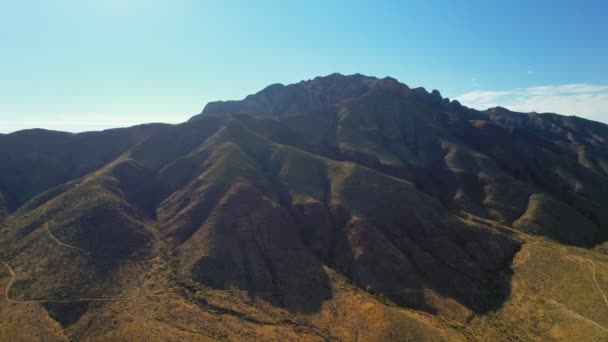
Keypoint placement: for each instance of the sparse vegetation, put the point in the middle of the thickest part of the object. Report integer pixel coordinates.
(373, 212)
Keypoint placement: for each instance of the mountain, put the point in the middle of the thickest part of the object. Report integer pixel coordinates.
(339, 208)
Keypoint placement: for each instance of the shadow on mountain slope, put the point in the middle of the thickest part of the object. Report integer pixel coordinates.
(265, 218)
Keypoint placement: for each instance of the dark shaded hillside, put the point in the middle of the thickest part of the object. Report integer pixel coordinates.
(344, 201)
(488, 163)
(37, 160)
(242, 211)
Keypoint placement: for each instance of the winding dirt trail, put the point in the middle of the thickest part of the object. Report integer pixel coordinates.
(578, 316)
(568, 255)
(597, 285)
(9, 285)
(47, 228)
(10, 282)
(49, 232)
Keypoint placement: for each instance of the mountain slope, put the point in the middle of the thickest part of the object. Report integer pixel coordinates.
(488, 163)
(341, 208)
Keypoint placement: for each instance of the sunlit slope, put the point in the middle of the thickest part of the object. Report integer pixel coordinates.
(348, 208)
(558, 293)
(489, 163)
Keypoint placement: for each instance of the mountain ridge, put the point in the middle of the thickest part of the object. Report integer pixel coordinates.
(341, 201)
(214, 107)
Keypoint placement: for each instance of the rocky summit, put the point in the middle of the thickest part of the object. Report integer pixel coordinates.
(342, 208)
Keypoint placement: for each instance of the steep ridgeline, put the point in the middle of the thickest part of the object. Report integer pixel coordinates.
(341, 208)
(519, 169)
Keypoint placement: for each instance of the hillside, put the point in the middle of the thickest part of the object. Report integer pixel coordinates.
(339, 208)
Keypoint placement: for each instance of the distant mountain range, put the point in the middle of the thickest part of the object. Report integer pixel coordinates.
(339, 208)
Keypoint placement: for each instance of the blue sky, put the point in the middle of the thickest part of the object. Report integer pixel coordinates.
(81, 65)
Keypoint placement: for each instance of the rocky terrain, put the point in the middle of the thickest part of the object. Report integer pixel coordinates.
(344, 208)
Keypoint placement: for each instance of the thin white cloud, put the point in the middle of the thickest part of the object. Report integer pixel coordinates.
(581, 99)
(481, 96)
